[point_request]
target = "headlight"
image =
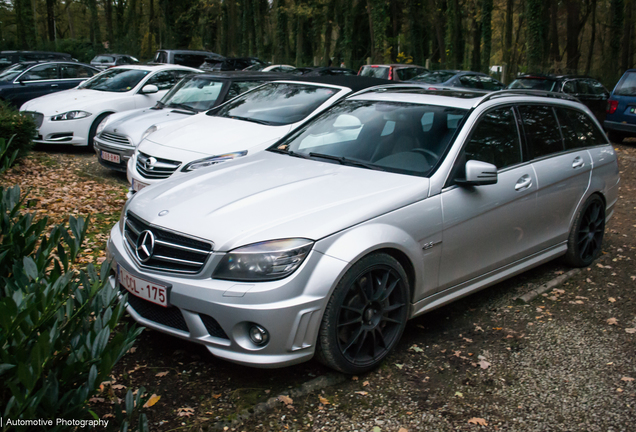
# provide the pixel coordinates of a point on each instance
(212, 160)
(264, 261)
(71, 115)
(101, 125)
(150, 130)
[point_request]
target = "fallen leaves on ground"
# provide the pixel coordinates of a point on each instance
(285, 399)
(478, 421)
(153, 400)
(162, 374)
(630, 330)
(628, 379)
(362, 393)
(185, 412)
(611, 299)
(612, 321)
(323, 400)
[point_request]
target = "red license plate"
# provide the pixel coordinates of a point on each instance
(150, 291)
(110, 157)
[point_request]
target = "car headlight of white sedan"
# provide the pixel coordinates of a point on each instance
(71, 115)
(269, 260)
(212, 160)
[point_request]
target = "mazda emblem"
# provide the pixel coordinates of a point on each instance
(145, 246)
(150, 162)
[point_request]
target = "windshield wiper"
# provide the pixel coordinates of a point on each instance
(345, 161)
(289, 152)
(263, 122)
(182, 106)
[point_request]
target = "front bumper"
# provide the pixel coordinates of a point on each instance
(628, 128)
(73, 132)
(290, 309)
(124, 153)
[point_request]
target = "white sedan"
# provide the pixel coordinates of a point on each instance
(72, 116)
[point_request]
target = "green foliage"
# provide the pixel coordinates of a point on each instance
(534, 34)
(59, 332)
(7, 156)
(20, 127)
(80, 49)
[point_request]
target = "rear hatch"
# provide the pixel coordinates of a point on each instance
(621, 106)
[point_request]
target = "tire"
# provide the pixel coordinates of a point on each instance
(365, 316)
(93, 130)
(615, 137)
(586, 237)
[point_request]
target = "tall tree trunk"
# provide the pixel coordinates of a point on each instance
(395, 28)
(418, 41)
(280, 49)
(70, 18)
(486, 32)
(371, 32)
(534, 35)
(108, 11)
(475, 63)
(50, 19)
(507, 46)
(326, 54)
(25, 24)
(572, 44)
(617, 9)
(439, 22)
(628, 35)
(456, 36)
(299, 41)
(555, 51)
(348, 32)
(592, 40)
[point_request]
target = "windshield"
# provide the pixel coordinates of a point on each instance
(276, 103)
(196, 93)
(375, 72)
(389, 136)
(12, 72)
(434, 77)
(115, 80)
(627, 87)
(533, 84)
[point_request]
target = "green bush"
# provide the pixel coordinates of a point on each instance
(18, 126)
(60, 335)
(80, 49)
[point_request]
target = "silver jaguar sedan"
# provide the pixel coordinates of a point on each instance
(394, 202)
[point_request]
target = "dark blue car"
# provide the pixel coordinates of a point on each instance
(27, 80)
(620, 122)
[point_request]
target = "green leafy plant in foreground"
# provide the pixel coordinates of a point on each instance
(60, 335)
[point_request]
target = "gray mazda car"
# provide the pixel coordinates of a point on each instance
(389, 204)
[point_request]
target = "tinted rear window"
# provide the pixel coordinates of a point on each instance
(533, 84)
(541, 129)
(627, 86)
(375, 71)
(434, 77)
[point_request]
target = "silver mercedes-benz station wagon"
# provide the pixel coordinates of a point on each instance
(394, 202)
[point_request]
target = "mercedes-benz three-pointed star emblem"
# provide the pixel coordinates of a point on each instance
(145, 246)
(150, 163)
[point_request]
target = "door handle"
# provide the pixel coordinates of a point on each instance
(54, 85)
(523, 183)
(578, 162)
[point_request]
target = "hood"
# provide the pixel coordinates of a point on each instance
(68, 100)
(272, 196)
(134, 123)
(209, 135)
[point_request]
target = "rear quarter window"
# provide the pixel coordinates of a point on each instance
(578, 129)
(626, 86)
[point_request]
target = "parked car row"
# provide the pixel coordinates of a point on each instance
(276, 217)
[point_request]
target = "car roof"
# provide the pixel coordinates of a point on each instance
(155, 66)
(354, 82)
(244, 75)
(58, 61)
(395, 65)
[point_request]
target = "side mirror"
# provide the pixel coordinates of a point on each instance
(478, 174)
(149, 89)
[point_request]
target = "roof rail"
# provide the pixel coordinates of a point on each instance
(421, 87)
(524, 92)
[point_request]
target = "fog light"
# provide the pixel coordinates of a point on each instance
(258, 335)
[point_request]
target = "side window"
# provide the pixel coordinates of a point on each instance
(578, 129)
(164, 80)
(489, 83)
(180, 73)
(582, 87)
(596, 87)
(470, 81)
(541, 130)
(162, 57)
(44, 72)
(569, 87)
(495, 139)
(70, 71)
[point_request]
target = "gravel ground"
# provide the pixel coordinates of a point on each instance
(564, 362)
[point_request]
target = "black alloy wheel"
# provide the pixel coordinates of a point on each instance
(585, 240)
(365, 316)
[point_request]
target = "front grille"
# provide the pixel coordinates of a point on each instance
(170, 316)
(155, 168)
(37, 117)
(172, 252)
(213, 327)
(112, 138)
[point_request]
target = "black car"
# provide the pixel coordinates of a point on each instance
(28, 80)
(8, 58)
(185, 57)
(233, 64)
(325, 71)
(588, 90)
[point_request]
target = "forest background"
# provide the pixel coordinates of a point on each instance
(591, 37)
